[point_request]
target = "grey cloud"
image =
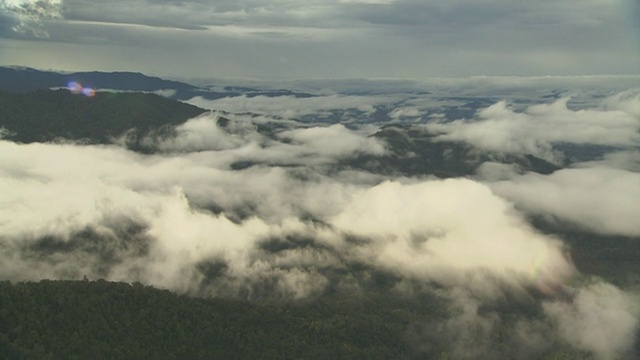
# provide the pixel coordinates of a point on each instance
(428, 14)
(306, 39)
(191, 14)
(133, 12)
(468, 17)
(436, 17)
(26, 19)
(8, 21)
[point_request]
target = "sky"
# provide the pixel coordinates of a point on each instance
(302, 39)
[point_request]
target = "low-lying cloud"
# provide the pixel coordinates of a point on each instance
(601, 199)
(192, 213)
(234, 206)
(290, 107)
(534, 131)
(450, 231)
(601, 319)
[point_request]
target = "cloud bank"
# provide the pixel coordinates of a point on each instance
(257, 207)
(499, 128)
(603, 200)
(426, 230)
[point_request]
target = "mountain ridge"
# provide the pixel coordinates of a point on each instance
(46, 115)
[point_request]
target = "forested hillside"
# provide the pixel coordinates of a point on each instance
(22, 80)
(104, 320)
(46, 115)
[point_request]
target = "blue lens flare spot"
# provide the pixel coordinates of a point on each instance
(77, 88)
(74, 87)
(89, 92)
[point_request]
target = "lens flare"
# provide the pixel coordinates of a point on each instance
(77, 88)
(74, 87)
(89, 92)
(551, 274)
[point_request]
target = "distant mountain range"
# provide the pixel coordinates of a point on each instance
(17, 79)
(24, 79)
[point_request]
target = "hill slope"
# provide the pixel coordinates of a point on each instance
(46, 115)
(99, 319)
(82, 319)
(14, 79)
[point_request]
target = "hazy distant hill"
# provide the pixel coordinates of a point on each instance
(46, 115)
(23, 79)
(14, 79)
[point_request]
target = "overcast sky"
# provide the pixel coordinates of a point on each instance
(276, 39)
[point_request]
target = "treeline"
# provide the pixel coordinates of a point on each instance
(26, 79)
(47, 115)
(105, 320)
(99, 319)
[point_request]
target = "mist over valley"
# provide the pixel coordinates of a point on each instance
(481, 218)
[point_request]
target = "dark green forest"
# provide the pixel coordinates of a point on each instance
(80, 320)
(106, 320)
(49, 115)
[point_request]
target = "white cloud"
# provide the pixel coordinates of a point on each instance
(500, 128)
(237, 139)
(335, 141)
(439, 230)
(105, 188)
(450, 231)
(627, 101)
(601, 319)
(205, 133)
(626, 160)
(600, 199)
